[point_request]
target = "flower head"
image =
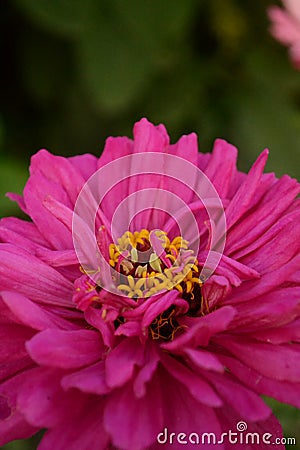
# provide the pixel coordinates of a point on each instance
(154, 288)
(286, 27)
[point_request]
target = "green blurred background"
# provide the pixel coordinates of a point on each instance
(76, 72)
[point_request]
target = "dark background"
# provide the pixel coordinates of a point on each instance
(74, 72)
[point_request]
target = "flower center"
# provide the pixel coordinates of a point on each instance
(147, 263)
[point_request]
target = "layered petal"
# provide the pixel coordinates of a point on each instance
(82, 429)
(22, 272)
(42, 400)
(280, 362)
(105, 348)
(12, 422)
(121, 361)
(66, 349)
(134, 422)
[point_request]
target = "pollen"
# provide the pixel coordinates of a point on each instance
(149, 262)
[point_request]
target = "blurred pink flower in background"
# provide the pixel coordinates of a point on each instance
(100, 367)
(286, 27)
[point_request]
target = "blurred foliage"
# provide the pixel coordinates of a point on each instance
(76, 72)
(25, 444)
(289, 418)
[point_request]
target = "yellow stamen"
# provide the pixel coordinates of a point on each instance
(153, 276)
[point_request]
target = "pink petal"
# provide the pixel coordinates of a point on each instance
(58, 258)
(33, 315)
(266, 238)
(11, 237)
(65, 349)
(149, 138)
(134, 423)
(284, 391)
(284, 27)
(203, 160)
(295, 55)
(83, 237)
(186, 148)
(281, 335)
(272, 426)
(230, 420)
(90, 380)
(12, 367)
(132, 328)
(80, 429)
(204, 359)
(12, 338)
(268, 310)
(58, 170)
(162, 304)
(183, 414)
(216, 289)
(37, 189)
(12, 423)
(233, 270)
(268, 282)
(201, 329)
(244, 196)
(115, 148)
(197, 387)
(26, 229)
(247, 404)
(274, 251)
(281, 362)
(221, 167)
(85, 164)
(29, 276)
(61, 212)
(147, 371)
(41, 399)
(121, 361)
(268, 212)
(293, 7)
(94, 317)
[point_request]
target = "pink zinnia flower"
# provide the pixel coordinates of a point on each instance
(286, 27)
(172, 333)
